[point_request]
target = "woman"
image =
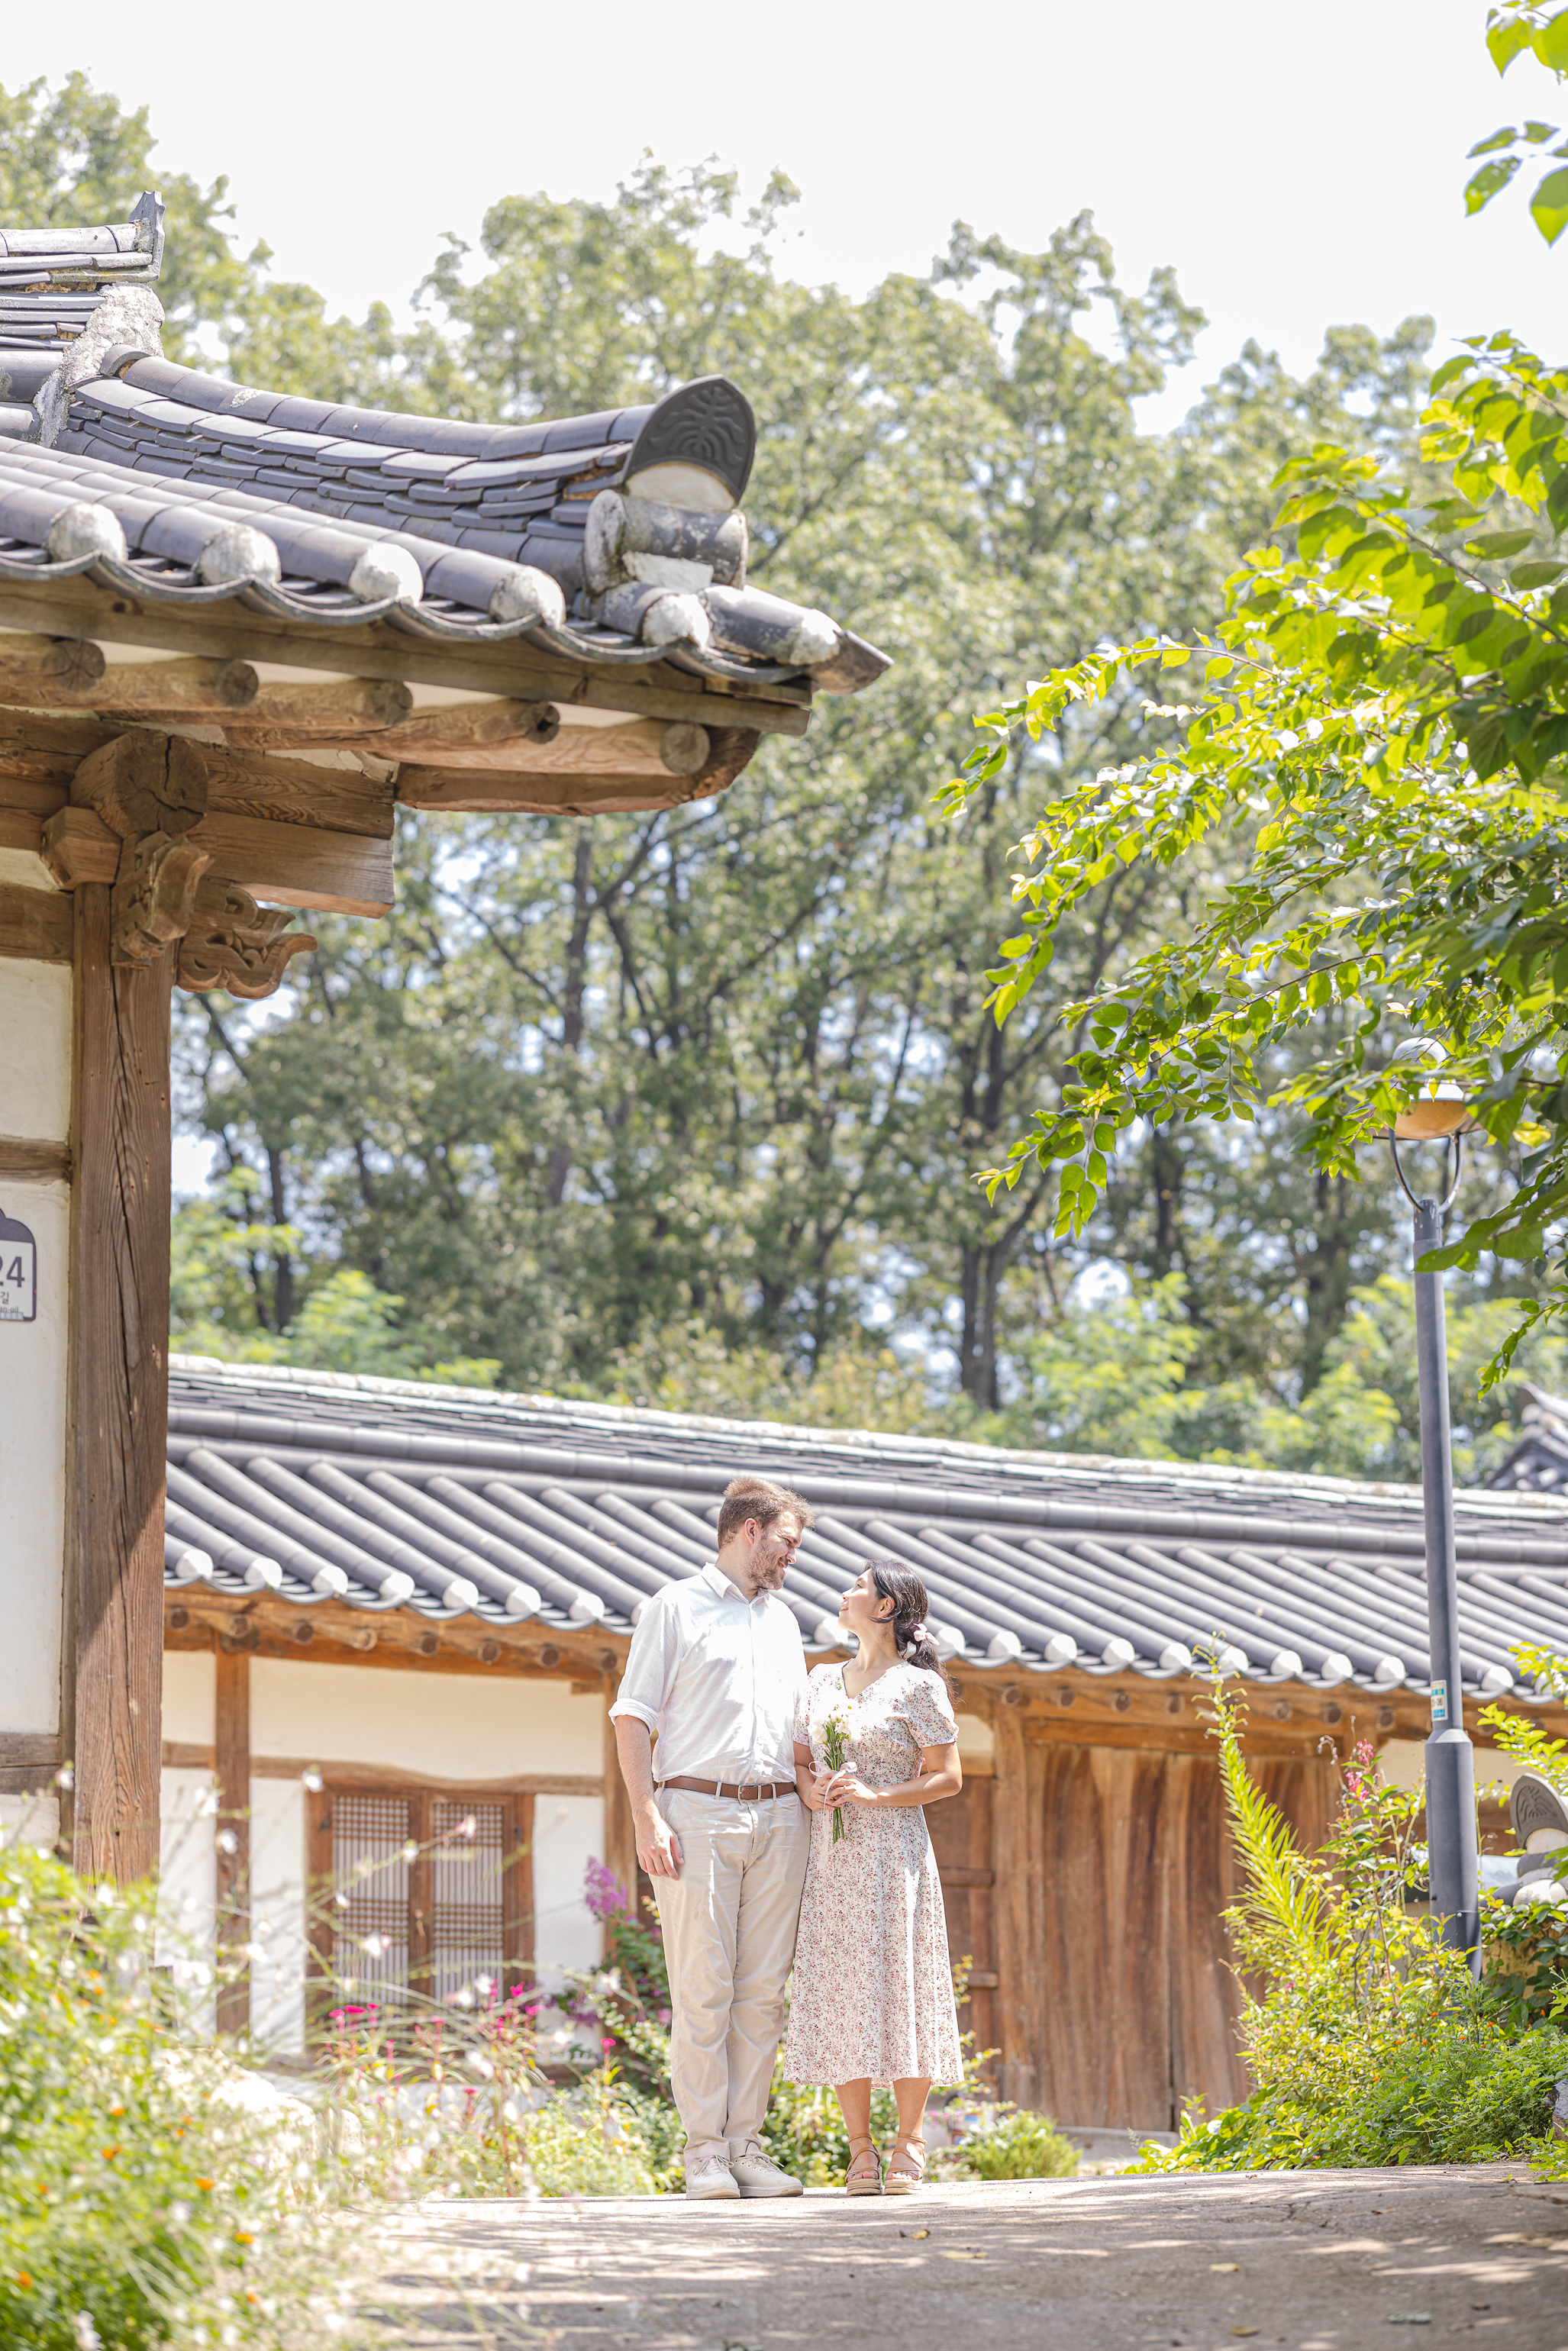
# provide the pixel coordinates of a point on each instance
(872, 1999)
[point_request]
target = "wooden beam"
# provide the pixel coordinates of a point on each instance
(20, 1154)
(35, 923)
(454, 730)
(1011, 1844)
(330, 1632)
(120, 1389)
(298, 791)
(518, 1890)
(620, 1834)
(657, 749)
(43, 750)
(378, 650)
(336, 873)
(190, 1755)
(296, 864)
(289, 711)
(48, 669)
(231, 1760)
(479, 789)
(196, 687)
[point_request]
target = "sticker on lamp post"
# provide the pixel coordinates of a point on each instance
(18, 1272)
(1439, 1701)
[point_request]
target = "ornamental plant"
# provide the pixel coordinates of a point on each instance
(145, 2200)
(1367, 2040)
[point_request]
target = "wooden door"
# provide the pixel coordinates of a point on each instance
(960, 1830)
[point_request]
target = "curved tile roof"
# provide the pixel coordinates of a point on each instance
(614, 539)
(390, 1494)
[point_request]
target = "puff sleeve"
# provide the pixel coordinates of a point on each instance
(928, 1711)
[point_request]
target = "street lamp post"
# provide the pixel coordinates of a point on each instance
(1452, 1872)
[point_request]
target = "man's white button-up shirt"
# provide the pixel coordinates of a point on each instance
(715, 1677)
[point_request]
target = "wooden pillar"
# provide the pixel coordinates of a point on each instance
(232, 1759)
(114, 1639)
(620, 1839)
(1017, 1954)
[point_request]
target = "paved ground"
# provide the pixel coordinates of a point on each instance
(1324, 2261)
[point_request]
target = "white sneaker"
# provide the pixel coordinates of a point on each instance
(711, 2177)
(758, 2175)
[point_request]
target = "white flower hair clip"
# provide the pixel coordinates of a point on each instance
(915, 1635)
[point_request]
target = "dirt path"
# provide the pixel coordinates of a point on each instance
(1324, 2261)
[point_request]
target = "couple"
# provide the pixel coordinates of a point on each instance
(746, 1883)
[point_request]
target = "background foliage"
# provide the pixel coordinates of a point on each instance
(685, 1107)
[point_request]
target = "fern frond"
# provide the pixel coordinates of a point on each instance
(1287, 1914)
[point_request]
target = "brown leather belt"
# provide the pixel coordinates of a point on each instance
(750, 1792)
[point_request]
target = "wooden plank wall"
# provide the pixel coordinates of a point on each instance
(1127, 2004)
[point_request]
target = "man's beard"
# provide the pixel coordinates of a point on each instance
(770, 1572)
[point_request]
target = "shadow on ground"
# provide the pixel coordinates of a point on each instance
(1321, 2261)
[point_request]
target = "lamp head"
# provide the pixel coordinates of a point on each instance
(1439, 1109)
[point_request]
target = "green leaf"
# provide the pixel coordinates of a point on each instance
(1505, 38)
(1174, 655)
(1492, 544)
(1488, 181)
(1535, 573)
(1549, 205)
(1538, 133)
(1503, 137)
(1551, 42)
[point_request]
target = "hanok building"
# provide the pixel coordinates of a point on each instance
(423, 1598)
(238, 632)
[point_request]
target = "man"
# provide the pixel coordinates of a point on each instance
(715, 1666)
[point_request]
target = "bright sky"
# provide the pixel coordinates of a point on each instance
(1298, 167)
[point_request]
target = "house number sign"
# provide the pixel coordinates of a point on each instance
(18, 1272)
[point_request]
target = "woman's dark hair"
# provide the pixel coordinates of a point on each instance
(900, 1585)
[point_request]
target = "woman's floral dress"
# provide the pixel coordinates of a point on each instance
(872, 1995)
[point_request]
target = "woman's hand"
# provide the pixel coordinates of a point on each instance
(844, 1788)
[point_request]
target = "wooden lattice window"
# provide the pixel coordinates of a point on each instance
(446, 1903)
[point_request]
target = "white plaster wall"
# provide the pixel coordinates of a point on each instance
(442, 1725)
(33, 1401)
(1403, 1763)
(190, 1696)
(569, 1831)
(278, 1921)
(187, 1892)
(30, 1820)
(35, 1049)
(977, 1739)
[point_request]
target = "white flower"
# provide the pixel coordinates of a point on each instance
(87, 2334)
(227, 1841)
(179, 2213)
(311, 1780)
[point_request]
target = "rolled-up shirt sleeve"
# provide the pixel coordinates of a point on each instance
(650, 1666)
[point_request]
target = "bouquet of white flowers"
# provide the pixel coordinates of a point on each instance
(836, 1746)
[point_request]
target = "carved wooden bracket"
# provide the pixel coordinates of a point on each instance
(233, 943)
(154, 895)
(143, 782)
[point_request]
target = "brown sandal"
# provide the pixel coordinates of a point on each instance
(906, 2167)
(857, 2181)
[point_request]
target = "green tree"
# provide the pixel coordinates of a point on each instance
(724, 1065)
(1379, 741)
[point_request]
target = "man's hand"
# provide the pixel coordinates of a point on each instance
(814, 1792)
(658, 1846)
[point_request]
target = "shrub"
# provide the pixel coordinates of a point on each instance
(1369, 2041)
(143, 2199)
(1019, 2145)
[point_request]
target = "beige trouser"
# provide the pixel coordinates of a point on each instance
(728, 1922)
